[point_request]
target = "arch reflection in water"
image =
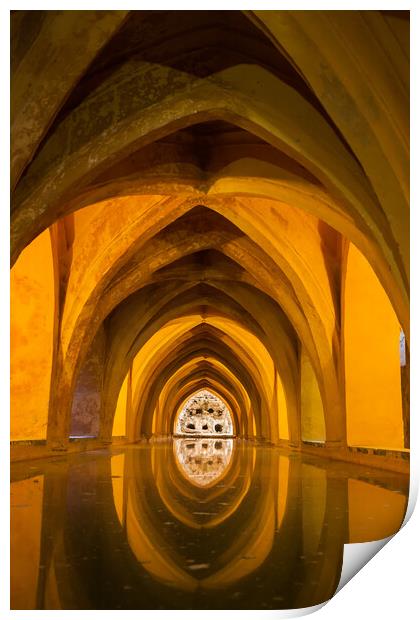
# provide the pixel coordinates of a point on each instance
(203, 461)
(130, 530)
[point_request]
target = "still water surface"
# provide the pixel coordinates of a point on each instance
(191, 524)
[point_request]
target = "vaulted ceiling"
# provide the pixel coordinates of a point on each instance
(201, 173)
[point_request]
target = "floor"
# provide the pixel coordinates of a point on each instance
(191, 524)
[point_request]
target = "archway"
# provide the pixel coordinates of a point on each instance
(204, 414)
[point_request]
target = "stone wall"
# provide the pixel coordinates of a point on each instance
(86, 407)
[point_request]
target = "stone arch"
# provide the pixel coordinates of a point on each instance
(210, 348)
(272, 144)
(117, 369)
(181, 422)
(85, 341)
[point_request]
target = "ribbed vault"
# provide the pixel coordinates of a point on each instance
(201, 187)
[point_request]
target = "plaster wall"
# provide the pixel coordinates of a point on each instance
(281, 405)
(32, 299)
(372, 363)
(120, 419)
(312, 410)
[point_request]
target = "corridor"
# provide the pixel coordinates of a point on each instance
(210, 329)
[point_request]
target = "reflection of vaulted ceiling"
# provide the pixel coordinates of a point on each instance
(193, 507)
(199, 180)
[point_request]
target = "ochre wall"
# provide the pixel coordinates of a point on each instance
(312, 410)
(120, 419)
(32, 326)
(371, 355)
(281, 407)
